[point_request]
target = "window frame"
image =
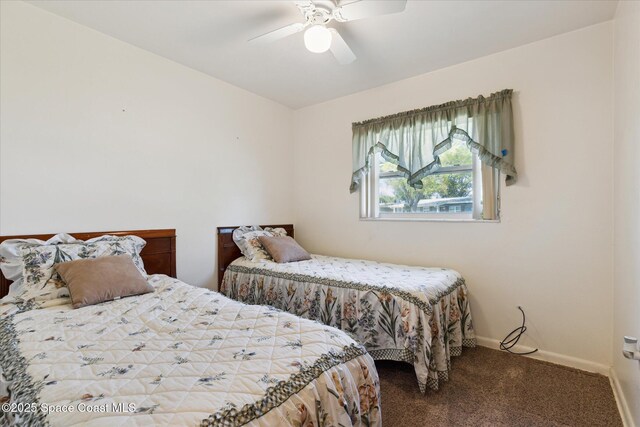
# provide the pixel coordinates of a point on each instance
(370, 195)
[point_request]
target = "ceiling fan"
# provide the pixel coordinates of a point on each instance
(317, 37)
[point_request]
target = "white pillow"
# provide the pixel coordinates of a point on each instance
(246, 238)
(12, 265)
(11, 262)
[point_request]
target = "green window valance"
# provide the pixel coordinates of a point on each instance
(414, 139)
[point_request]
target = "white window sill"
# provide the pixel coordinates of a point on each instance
(423, 219)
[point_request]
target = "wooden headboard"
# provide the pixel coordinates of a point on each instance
(228, 251)
(159, 254)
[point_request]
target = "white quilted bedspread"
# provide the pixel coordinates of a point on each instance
(183, 356)
(424, 283)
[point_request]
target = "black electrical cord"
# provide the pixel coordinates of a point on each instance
(514, 336)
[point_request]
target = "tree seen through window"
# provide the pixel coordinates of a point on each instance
(447, 190)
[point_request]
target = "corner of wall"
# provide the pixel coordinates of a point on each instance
(625, 374)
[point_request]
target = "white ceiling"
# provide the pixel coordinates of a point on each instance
(211, 36)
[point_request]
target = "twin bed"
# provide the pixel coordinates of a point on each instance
(412, 314)
(177, 356)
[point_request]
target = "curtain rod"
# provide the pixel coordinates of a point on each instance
(447, 105)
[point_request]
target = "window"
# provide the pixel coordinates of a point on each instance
(454, 191)
(437, 162)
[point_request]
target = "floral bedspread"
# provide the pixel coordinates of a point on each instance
(181, 356)
(412, 314)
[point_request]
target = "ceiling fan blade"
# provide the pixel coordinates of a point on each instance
(303, 4)
(340, 48)
(278, 34)
(364, 9)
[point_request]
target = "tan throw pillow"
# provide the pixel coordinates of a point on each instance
(92, 281)
(284, 249)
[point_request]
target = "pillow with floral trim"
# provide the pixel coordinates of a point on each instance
(40, 281)
(12, 265)
(246, 238)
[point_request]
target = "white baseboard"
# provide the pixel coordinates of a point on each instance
(623, 406)
(551, 357)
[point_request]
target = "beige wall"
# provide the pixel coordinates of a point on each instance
(552, 252)
(97, 134)
(626, 291)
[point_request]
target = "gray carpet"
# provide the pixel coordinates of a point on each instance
(492, 388)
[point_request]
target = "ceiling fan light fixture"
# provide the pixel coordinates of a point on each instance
(317, 38)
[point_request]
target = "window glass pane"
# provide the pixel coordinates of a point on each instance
(441, 193)
(445, 192)
(457, 155)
